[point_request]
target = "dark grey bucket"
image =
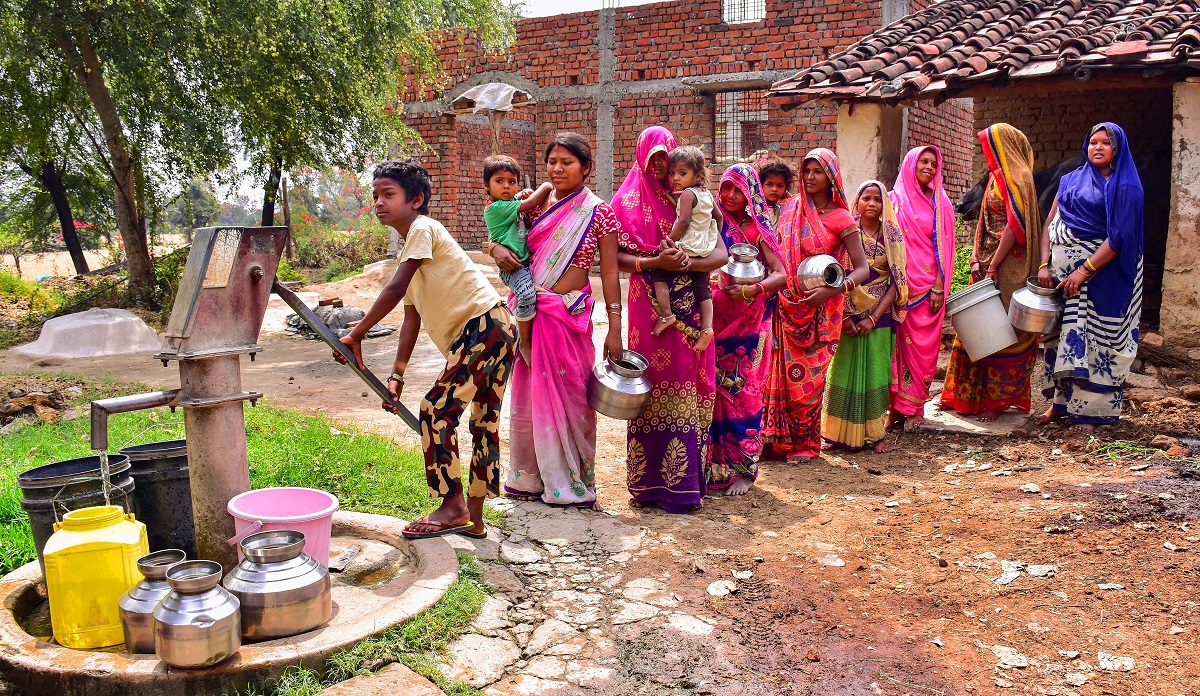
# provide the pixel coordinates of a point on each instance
(48, 492)
(163, 494)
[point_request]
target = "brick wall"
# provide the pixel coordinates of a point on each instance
(647, 51)
(1057, 123)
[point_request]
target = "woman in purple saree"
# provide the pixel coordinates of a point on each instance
(668, 445)
(552, 433)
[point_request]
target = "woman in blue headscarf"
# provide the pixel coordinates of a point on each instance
(1092, 250)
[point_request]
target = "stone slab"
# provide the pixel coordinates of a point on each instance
(952, 422)
(393, 680)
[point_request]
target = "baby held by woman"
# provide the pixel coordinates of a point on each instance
(696, 231)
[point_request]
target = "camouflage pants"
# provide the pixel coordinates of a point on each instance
(477, 371)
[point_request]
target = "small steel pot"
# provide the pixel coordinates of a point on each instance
(1035, 309)
(283, 591)
(619, 388)
(198, 623)
(821, 271)
(136, 606)
(743, 267)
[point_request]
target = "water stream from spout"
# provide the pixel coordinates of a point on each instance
(103, 454)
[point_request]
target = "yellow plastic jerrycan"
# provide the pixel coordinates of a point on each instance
(91, 560)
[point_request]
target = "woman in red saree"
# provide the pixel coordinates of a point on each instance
(926, 217)
(808, 323)
(668, 445)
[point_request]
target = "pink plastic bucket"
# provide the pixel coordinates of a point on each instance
(305, 510)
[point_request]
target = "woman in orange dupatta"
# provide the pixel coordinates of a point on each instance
(1010, 226)
(808, 323)
(926, 217)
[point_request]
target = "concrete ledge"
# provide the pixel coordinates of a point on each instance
(38, 667)
(393, 680)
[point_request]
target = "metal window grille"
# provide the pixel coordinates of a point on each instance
(741, 125)
(742, 11)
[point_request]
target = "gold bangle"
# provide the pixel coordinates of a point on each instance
(1087, 263)
(637, 264)
(744, 293)
(1044, 264)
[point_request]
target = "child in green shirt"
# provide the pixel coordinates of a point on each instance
(501, 175)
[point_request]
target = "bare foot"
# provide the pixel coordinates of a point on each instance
(911, 423)
(882, 447)
(637, 504)
(705, 338)
(526, 498)
(893, 419)
(740, 485)
(831, 446)
(988, 416)
(1048, 417)
(1083, 427)
(663, 324)
(799, 459)
(596, 506)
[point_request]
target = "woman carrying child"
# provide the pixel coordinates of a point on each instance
(668, 445)
(552, 439)
(742, 319)
(860, 377)
(695, 233)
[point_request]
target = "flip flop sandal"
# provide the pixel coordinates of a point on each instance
(474, 535)
(438, 529)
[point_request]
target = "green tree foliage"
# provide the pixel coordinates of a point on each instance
(196, 206)
(174, 87)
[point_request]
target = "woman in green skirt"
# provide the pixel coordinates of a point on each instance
(860, 378)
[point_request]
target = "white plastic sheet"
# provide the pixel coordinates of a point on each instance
(493, 96)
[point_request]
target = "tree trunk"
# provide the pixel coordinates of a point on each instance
(269, 193)
(51, 178)
(81, 55)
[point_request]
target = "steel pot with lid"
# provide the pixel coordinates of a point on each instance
(619, 388)
(821, 271)
(136, 606)
(283, 591)
(1035, 309)
(743, 267)
(198, 623)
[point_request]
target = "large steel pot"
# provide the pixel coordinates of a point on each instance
(619, 388)
(821, 271)
(979, 319)
(743, 267)
(1035, 309)
(198, 623)
(283, 591)
(136, 606)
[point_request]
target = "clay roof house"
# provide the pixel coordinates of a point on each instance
(1052, 68)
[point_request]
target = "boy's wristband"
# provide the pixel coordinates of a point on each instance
(396, 377)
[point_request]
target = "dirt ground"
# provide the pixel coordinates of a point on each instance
(1034, 563)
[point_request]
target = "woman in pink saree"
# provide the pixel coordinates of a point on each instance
(668, 445)
(552, 433)
(926, 217)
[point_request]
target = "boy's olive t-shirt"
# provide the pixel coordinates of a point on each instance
(502, 218)
(448, 289)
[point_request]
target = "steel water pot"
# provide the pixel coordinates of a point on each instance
(821, 271)
(1035, 309)
(198, 623)
(283, 591)
(137, 604)
(619, 388)
(743, 267)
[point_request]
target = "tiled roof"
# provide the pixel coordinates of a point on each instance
(954, 45)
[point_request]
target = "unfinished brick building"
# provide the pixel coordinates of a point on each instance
(700, 67)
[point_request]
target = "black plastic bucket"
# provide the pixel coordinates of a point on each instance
(48, 492)
(163, 494)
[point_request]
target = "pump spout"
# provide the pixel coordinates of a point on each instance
(102, 408)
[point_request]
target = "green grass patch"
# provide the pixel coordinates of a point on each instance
(367, 472)
(420, 643)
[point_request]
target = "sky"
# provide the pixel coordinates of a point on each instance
(546, 8)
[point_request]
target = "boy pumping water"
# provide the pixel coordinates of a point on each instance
(441, 287)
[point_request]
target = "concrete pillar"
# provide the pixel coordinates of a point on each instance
(1181, 270)
(606, 101)
(868, 143)
(893, 10)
